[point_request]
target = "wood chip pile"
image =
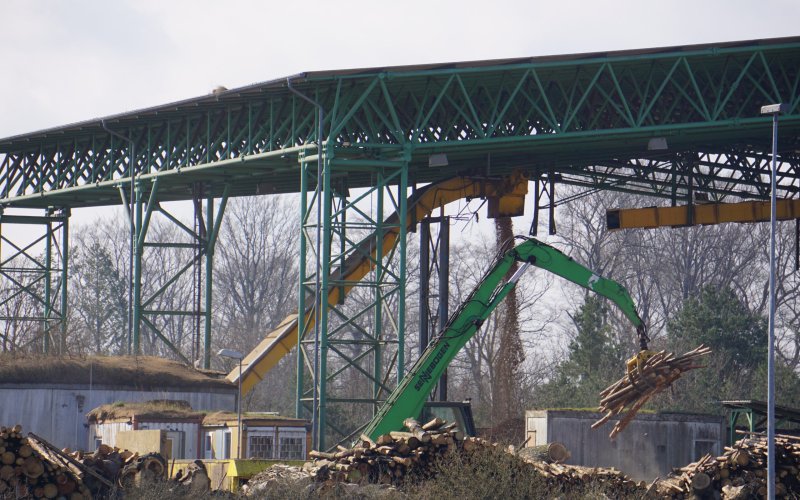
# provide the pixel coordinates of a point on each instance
(631, 392)
(740, 473)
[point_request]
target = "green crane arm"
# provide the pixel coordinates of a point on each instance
(411, 393)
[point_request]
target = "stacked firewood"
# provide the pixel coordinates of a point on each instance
(395, 456)
(104, 470)
(391, 457)
(631, 392)
(740, 472)
(609, 480)
(26, 473)
(31, 467)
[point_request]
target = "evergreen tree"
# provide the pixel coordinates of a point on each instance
(737, 368)
(100, 301)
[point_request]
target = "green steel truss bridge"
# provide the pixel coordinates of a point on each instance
(668, 122)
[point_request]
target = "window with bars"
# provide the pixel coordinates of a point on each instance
(260, 446)
(292, 448)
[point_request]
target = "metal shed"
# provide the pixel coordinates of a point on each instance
(265, 436)
(51, 396)
(180, 423)
(650, 446)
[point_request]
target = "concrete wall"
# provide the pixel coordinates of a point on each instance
(650, 446)
(58, 413)
(143, 442)
(188, 432)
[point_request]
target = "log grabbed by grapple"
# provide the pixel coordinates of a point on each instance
(628, 394)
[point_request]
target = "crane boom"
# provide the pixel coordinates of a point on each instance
(411, 393)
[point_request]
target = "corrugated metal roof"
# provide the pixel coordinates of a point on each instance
(305, 78)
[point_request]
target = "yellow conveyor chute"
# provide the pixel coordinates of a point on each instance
(507, 198)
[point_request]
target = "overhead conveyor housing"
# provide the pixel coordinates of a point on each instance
(703, 214)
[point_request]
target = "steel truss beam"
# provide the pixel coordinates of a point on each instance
(549, 113)
(37, 270)
(350, 349)
(153, 308)
(721, 176)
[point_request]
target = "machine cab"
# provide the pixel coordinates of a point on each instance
(451, 411)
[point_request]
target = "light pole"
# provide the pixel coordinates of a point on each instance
(774, 110)
(230, 353)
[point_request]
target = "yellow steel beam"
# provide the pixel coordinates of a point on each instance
(702, 214)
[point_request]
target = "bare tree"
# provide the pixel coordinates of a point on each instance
(256, 282)
(510, 352)
(660, 267)
(99, 306)
(474, 372)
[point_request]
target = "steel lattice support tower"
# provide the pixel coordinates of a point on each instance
(196, 246)
(40, 273)
(351, 348)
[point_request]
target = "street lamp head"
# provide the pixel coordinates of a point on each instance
(775, 109)
(230, 353)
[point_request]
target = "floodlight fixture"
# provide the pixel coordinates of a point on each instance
(775, 109)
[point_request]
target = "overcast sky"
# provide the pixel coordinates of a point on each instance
(71, 60)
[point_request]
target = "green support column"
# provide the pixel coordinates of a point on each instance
(301, 294)
(203, 242)
(360, 340)
(137, 269)
(64, 276)
(325, 271)
(214, 222)
(401, 306)
(209, 287)
(30, 272)
(378, 301)
(48, 263)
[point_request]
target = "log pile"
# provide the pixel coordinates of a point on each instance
(31, 467)
(740, 472)
(610, 480)
(632, 391)
(106, 469)
(551, 453)
(25, 473)
(392, 457)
